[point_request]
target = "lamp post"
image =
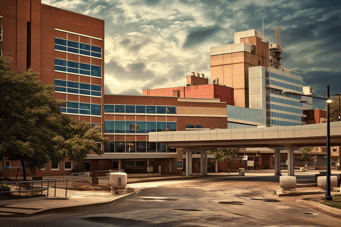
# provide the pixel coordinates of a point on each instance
(328, 101)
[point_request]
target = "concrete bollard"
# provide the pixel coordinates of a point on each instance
(287, 182)
(322, 182)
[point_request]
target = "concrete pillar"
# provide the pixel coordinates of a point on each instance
(187, 163)
(277, 162)
(291, 171)
(201, 163)
(216, 165)
(190, 169)
(205, 163)
(119, 165)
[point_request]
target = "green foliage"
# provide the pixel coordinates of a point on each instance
(305, 153)
(334, 109)
(4, 187)
(79, 168)
(210, 164)
(33, 130)
(223, 154)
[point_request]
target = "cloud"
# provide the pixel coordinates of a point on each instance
(198, 37)
(130, 91)
(107, 90)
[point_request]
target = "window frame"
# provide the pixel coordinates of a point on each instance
(65, 165)
(54, 169)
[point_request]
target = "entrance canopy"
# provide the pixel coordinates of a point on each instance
(272, 137)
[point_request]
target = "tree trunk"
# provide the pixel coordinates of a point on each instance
(23, 168)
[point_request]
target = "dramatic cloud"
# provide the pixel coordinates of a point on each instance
(157, 43)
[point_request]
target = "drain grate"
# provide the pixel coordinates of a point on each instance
(231, 202)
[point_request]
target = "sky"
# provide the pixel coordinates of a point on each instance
(157, 43)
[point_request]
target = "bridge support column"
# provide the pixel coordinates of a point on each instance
(190, 163)
(201, 163)
(291, 171)
(277, 162)
(187, 163)
(216, 165)
(205, 163)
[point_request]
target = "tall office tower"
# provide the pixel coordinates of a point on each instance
(65, 48)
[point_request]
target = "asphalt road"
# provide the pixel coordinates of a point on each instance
(203, 202)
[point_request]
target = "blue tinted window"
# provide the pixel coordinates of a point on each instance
(84, 72)
(72, 90)
(95, 109)
(97, 49)
(161, 109)
(130, 109)
(130, 126)
(72, 84)
(84, 66)
(109, 126)
(84, 46)
(72, 110)
(60, 62)
(72, 70)
(63, 110)
(141, 127)
(84, 106)
(60, 41)
(73, 50)
(85, 86)
(151, 109)
(72, 44)
(63, 48)
(59, 68)
(140, 109)
(62, 89)
(161, 126)
(97, 55)
(84, 92)
(96, 87)
(171, 110)
(171, 126)
(84, 112)
(119, 109)
(72, 104)
(85, 52)
(60, 83)
(96, 71)
(109, 108)
(120, 127)
(151, 126)
(96, 93)
(190, 126)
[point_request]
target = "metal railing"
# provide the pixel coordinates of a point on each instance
(31, 186)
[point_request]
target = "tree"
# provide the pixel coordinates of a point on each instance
(223, 154)
(334, 109)
(305, 154)
(32, 128)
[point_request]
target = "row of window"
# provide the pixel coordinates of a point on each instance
(77, 88)
(285, 85)
(283, 123)
(193, 126)
(81, 108)
(279, 92)
(284, 108)
(139, 109)
(286, 116)
(283, 101)
(136, 147)
(78, 48)
(138, 126)
(285, 78)
(77, 68)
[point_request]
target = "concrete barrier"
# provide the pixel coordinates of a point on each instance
(322, 182)
(287, 182)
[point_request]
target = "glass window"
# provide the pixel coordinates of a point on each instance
(141, 146)
(72, 110)
(140, 109)
(55, 166)
(119, 147)
(151, 126)
(130, 109)
(97, 55)
(179, 165)
(85, 86)
(114, 165)
(151, 147)
(96, 71)
(95, 109)
(72, 44)
(73, 50)
(130, 127)
(96, 49)
(151, 164)
(171, 150)
(85, 52)
(96, 93)
(84, 66)
(140, 127)
(68, 165)
(59, 68)
(171, 126)
(85, 106)
(72, 70)
(140, 164)
(151, 109)
(161, 147)
(72, 84)
(96, 87)
(171, 109)
(109, 108)
(60, 41)
(84, 112)
(72, 104)
(130, 146)
(120, 127)
(161, 109)
(57, 47)
(189, 126)
(72, 64)
(84, 72)
(62, 89)
(84, 46)
(59, 62)
(85, 92)
(129, 164)
(60, 83)
(119, 109)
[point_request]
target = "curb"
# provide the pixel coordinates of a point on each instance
(164, 179)
(4, 202)
(326, 208)
(62, 209)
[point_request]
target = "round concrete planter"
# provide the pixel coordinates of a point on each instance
(322, 182)
(287, 182)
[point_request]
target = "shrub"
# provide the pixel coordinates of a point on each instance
(78, 168)
(4, 187)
